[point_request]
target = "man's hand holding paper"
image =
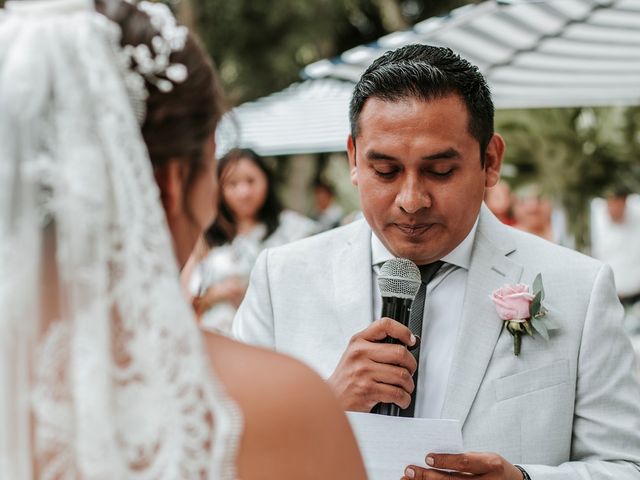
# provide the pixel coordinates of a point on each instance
(488, 466)
(389, 444)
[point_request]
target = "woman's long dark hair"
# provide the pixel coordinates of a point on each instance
(225, 228)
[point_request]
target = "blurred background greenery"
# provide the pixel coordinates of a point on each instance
(260, 47)
(574, 154)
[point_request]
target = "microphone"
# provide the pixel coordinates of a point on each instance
(399, 281)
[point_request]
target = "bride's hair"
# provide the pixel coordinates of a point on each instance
(177, 122)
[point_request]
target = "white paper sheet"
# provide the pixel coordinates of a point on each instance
(389, 444)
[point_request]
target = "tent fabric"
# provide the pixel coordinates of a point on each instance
(552, 53)
(306, 117)
(534, 54)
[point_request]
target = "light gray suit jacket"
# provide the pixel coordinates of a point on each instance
(564, 409)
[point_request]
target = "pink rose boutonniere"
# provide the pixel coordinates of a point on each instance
(522, 311)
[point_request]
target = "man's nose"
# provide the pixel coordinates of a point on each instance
(413, 195)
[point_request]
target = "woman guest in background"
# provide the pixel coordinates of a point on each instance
(103, 373)
(499, 201)
(250, 219)
(534, 213)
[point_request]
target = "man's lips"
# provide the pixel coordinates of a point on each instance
(413, 229)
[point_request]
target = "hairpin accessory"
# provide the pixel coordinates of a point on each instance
(150, 65)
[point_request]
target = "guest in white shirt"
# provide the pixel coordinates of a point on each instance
(616, 241)
(250, 219)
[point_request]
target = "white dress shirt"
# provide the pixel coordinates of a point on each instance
(618, 244)
(442, 314)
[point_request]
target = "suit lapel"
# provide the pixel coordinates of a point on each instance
(480, 325)
(352, 282)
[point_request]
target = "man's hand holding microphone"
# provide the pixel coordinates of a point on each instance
(377, 366)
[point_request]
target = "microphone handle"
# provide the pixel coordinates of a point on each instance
(398, 309)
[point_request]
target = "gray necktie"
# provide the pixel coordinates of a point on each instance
(427, 272)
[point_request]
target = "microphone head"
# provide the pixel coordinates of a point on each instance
(399, 278)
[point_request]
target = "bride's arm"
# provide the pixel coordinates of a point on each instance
(293, 427)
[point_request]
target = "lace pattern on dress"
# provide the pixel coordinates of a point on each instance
(121, 387)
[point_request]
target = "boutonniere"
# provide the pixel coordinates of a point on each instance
(522, 311)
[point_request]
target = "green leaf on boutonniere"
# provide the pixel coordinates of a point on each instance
(536, 305)
(542, 312)
(537, 286)
(540, 327)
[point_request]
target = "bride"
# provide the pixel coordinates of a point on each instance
(105, 118)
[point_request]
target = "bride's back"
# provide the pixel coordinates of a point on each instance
(103, 373)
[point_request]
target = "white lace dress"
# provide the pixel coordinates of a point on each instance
(109, 380)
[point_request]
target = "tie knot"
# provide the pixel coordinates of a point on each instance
(428, 271)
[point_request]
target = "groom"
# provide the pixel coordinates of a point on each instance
(422, 151)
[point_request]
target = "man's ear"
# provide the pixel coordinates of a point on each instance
(170, 179)
(493, 160)
(351, 152)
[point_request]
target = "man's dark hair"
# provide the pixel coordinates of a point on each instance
(426, 72)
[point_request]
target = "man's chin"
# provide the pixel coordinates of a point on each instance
(418, 252)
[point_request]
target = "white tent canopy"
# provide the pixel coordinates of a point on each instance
(534, 54)
(307, 117)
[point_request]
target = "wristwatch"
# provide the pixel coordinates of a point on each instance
(525, 475)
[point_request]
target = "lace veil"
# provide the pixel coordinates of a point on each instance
(102, 371)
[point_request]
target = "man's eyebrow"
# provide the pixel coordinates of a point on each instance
(449, 153)
(376, 155)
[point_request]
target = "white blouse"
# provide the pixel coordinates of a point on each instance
(237, 259)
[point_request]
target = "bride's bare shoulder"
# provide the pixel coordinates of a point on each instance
(244, 367)
(294, 427)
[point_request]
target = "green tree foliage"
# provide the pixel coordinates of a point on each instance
(260, 47)
(574, 154)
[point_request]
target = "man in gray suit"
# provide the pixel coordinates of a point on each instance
(422, 150)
